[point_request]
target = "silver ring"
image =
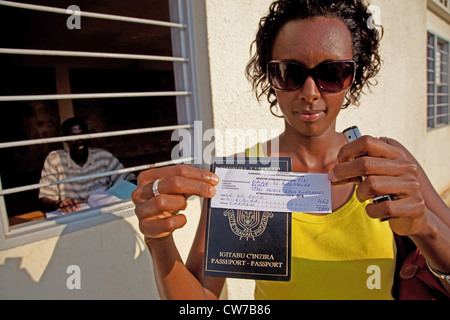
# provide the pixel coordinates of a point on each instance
(155, 187)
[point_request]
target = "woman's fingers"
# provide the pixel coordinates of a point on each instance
(157, 206)
(158, 217)
(162, 225)
(181, 180)
(399, 187)
(367, 166)
(406, 208)
(368, 156)
(180, 170)
(368, 146)
(186, 186)
(383, 168)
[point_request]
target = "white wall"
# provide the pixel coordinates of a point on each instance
(232, 26)
(396, 107)
(113, 259)
(114, 264)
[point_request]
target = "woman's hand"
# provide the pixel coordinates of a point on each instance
(388, 170)
(158, 215)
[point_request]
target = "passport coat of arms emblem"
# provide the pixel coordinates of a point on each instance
(248, 224)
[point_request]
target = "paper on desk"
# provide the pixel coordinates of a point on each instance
(262, 190)
(96, 199)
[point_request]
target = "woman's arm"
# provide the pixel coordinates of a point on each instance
(158, 219)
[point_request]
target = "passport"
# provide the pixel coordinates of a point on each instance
(248, 244)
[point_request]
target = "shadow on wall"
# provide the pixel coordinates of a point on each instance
(108, 261)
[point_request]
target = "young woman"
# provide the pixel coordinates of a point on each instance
(313, 57)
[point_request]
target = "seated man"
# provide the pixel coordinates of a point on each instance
(79, 160)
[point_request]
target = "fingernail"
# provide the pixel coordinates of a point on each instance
(214, 179)
(332, 176)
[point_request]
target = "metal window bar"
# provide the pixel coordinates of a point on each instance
(92, 14)
(91, 54)
(78, 54)
(438, 82)
(24, 143)
(442, 94)
(431, 123)
(180, 26)
(94, 176)
(92, 136)
(80, 96)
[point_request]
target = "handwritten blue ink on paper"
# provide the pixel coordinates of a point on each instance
(272, 191)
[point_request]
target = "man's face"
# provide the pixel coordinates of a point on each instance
(78, 147)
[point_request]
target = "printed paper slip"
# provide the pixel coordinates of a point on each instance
(264, 190)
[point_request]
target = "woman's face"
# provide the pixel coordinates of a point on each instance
(309, 110)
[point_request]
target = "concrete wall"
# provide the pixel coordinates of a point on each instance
(114, 262)
(232, 26)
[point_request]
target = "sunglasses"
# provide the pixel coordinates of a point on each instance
(330, 76)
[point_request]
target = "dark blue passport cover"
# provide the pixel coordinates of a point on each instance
(248, 244)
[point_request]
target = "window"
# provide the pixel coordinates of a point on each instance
(128, 70)
(438, 82)
(443, 3)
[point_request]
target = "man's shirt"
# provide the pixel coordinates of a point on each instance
(59, 166)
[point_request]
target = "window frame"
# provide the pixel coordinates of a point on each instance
(444, 4)
(191, 80)
(433, 100)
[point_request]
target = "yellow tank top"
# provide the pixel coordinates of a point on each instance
(341, 256)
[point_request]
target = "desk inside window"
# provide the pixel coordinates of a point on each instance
(26, 217)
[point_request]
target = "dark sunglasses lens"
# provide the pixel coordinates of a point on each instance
(286, 76)
(335, 76)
